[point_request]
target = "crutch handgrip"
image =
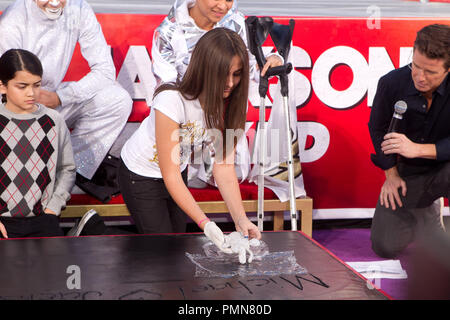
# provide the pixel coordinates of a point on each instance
(280, 70)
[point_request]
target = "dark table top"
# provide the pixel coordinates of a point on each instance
(156, 267)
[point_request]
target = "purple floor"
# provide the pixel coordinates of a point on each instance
(354, 245)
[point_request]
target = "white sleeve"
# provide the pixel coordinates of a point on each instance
(162, 55)
(170, 103)
(98, 55)
(65, 171)
(10, 31)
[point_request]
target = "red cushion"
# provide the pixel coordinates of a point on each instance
(249, 191)
(139, 112)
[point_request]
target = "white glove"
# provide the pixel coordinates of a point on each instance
(239, 244)
(243, 254)
(213, 232)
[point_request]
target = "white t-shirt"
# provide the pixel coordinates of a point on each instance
(139, 152)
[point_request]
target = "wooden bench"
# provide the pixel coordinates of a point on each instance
(304, 206)
(208, 199)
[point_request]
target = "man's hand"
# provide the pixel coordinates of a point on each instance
(400, 144)
(397, 143)
(389, 191)
(49, 99)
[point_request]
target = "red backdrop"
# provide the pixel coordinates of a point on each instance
(337, 61)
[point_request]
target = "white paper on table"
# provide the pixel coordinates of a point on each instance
(391, 269)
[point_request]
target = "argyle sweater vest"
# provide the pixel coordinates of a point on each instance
(30, 162)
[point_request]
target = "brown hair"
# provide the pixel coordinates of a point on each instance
(434, 41)
(207, 72)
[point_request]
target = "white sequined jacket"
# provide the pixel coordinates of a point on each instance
(23, 25)
(175, 39)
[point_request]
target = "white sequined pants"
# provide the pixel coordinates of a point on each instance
(95, 124)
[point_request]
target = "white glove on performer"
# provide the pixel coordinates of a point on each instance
(213, 232)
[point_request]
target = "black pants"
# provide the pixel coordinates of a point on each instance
(393, 230)
(45, 225)
(150, 204)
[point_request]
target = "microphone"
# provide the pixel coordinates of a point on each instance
(399, 109)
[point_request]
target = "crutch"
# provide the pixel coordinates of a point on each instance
(258, 30)
(282, 36)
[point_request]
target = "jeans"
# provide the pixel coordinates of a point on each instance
(44, 225)
(150, 204)
(393, 230)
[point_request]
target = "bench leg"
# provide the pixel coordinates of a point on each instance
(278, 220)
(306, 221)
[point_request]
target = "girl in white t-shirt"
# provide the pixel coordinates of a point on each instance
(188, 119)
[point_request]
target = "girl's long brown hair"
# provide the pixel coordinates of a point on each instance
(207, 72)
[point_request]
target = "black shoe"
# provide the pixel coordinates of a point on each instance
(99, 192)
(103, 184)
(90, 224)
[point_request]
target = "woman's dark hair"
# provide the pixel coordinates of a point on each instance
(15, 60)
(207, 73)
(434, 41)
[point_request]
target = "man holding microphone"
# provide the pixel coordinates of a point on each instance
(415, 158)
